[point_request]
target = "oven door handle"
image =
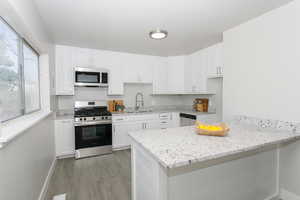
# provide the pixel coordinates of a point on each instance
(92, 123)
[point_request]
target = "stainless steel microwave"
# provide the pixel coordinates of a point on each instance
(91, 77)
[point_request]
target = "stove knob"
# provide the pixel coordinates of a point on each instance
(84, 119)
(80, 119)
(94, 118)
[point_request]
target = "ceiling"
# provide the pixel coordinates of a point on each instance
(123, 25)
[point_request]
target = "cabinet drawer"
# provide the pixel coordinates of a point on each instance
(133, 118)
(117, 119)
(165, 115)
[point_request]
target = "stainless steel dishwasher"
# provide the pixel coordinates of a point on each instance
(187, 119)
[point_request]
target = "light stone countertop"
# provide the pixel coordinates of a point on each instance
(176, 147)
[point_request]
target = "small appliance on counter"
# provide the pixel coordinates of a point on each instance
(201, 105)
(116, 106)
(93, 129)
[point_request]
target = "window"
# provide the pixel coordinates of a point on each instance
(31, 79)
(19, 75)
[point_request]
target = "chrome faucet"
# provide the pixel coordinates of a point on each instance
(139, 100)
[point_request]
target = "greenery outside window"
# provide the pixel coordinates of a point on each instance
(19, 75)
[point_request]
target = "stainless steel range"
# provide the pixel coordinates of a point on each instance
(93, 129)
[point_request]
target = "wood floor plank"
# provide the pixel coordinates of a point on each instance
(97, 178)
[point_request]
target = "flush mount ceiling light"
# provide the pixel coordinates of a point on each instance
(158, 34)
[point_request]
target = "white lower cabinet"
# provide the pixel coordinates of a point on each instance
(121, 138)
(122, 125)
(153, 124)
(175, 120)
(64, 137)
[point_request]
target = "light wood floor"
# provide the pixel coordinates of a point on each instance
(105, 177)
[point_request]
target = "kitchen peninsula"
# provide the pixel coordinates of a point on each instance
(177, 164)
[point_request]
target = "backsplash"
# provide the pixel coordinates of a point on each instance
(130, 90)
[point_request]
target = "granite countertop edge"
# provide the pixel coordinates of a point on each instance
(222, 154)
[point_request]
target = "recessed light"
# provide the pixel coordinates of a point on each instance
(158, 34)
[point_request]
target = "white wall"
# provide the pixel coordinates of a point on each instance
(261, 76)
(25, 162)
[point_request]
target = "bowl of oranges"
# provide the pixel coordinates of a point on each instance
(212, 130)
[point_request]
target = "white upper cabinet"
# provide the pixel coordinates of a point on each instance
(215, 60)
(137, 68)
(175, 75)
(116, 84)
(195, 72)
(160, 79)
(84, 57)
(64, 70)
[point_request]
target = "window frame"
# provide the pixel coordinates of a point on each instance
(25, 43)
(22, 41)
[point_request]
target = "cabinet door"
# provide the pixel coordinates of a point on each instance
(64, 137)
(215, 60)
(195, 72)
(64, 71)
(160, 73)
(154, 124)
(120, 133)
(175, 74)
(220, 57)
(145, 74)
(116, 86)
(175, 120)
(84, 57)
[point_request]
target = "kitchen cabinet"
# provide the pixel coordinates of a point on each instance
(215, 60)
(121, 138)
(160, 81)
(168, 76)
(195, 72)
(153, 124)
(175, 120)
(84, 57)
(175, 75)
(137, 68)
(116, 84)
(64, 137)
(122, 125)
(64, 71)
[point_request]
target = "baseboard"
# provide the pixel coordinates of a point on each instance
(47, 181)
(121, 148)
(286, 195)
(70, 155)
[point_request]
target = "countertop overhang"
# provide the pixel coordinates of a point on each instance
(178, 147)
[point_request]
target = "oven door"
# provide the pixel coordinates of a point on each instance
(96, 135)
